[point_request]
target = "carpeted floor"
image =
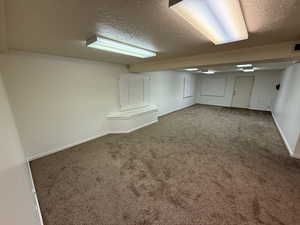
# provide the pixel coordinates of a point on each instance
(203, 165)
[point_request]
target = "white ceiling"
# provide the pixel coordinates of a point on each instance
(61, 27)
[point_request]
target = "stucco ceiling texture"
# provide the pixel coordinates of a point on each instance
(61, 27)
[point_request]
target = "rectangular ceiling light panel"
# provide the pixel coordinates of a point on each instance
(221, 21)
(191, 69)
(109, 45)
(244, 65)
(248, 70)
(209, 72)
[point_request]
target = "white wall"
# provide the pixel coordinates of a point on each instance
(17, 205)
(59, 101)
(167, 90)
(218, 89)
(286, 108)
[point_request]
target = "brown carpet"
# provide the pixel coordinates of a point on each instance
(204, 165)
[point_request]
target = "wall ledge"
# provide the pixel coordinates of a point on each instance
(128, 114)
(130, 120)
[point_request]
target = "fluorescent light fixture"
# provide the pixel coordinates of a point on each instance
(208, 72)
(221, 21)
(191, 69)
(248, 70)
(244, 65)
(110, 45)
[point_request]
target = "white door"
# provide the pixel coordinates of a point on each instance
(242, 92)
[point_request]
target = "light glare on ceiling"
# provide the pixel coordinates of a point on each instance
(106, 44)
(221, 21)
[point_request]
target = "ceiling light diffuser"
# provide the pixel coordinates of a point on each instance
(191, 69)
(221, 21)
(244, 65)
(110, 45)
(248, 70)
(208, 72)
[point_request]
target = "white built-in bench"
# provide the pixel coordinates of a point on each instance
(130, 120)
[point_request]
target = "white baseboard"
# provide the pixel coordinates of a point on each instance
(259, 109)
(134, 129)
(43, 154)
(290, 150)
(37, 204)
(177, 109)
(229, 106)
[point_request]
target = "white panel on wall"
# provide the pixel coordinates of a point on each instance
(213, 86)
(147, 88)
(188, 87)
(124, 91)
(134, 91)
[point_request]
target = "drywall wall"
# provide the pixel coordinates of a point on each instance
(17, 204)
(286, 109)
(59, 102)
(167, 90)
(218, 89)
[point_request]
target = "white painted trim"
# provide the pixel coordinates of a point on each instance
(212, 104)
(228, 106)
(290, 150)
(134, 129)
(259, 109)
(35, 195)
(43, 154)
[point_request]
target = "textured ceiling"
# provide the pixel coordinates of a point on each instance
(61, 27)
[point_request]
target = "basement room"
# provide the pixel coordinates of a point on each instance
(162, 112)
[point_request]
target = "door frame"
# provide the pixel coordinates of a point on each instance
(235, 80)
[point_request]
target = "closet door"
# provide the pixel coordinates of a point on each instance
(242, 92)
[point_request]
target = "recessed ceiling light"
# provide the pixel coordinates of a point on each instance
(191, 69)
(244, 65)
(248, 70)
(221, 21)
(109, 45)
(209, 72)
